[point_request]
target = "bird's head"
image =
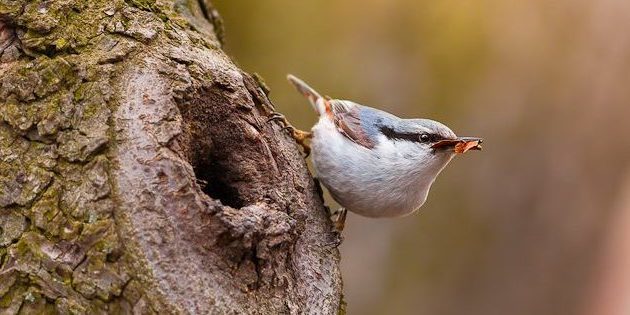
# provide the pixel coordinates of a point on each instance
(426, 143)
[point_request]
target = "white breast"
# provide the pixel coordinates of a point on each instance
(378, 182)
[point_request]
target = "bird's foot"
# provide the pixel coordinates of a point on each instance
(339, 222)
(300, 136)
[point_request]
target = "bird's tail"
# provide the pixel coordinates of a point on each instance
(314, 98)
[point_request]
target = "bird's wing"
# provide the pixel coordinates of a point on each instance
(346, 116)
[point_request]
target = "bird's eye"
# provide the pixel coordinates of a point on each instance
(425, 137)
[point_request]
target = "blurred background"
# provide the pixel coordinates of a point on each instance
(538, 222)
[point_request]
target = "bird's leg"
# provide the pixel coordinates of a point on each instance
(339, 222)
(300, 136)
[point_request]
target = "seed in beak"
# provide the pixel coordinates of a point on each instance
(459, 145)
(464, 146)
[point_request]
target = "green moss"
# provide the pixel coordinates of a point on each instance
(65, 273)
(13, 225)
(15, 115)
(34, 40)
(261, 83)
(54, 74)
(66, 306)
(177, 22)
(3, 253)
(147, 5)
(96, 262)
(16, 291)
(46, 215)
(93, 107)
(95, 229)
(11, 9)
(60, 43)
(38, 180)
(35, 303)
(22, 248)
(28, 248)
(342, 306)
(70, 229)
(64, 26)
(6, 300)
(104, 246)
(79, 93)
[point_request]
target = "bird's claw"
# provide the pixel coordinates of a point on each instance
(337, 240)
(276, 116)
(291, 129)
(298, 135)
(339, 222)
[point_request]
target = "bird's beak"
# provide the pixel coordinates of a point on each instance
(459, 145)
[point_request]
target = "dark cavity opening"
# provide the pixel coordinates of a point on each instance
(206, 144)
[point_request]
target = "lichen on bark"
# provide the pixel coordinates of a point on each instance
(111, 114)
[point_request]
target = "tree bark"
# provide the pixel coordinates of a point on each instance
(138, 173)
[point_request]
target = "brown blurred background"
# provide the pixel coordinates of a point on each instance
(538, 222)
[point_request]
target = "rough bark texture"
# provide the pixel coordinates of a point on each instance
(138, 173)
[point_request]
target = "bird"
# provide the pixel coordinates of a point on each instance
(374, 163)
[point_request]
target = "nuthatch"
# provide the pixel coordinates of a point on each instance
(374, 163)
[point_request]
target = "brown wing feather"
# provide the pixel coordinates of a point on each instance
(348, 122)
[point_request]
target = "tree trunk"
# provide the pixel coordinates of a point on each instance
(138, 173)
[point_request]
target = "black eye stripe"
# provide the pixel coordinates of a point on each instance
(413, 137)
